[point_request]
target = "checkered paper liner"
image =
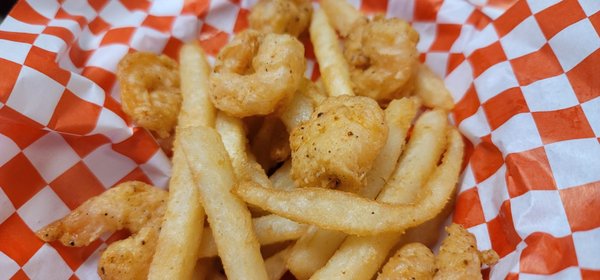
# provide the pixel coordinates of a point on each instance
(523, 74)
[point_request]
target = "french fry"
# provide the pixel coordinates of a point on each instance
(228, 216)
(342, 15)
(334, 68)
(282, 179)
(275, 264)
(352, 214)
(269, 229)
(361, 257)
(302, 104)
(312, 250)
(180, 237)
(431, 89)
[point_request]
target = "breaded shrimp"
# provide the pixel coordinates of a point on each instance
(281, 16)
(339, 143)
(150, 92)
(459, 258)
(255, 73)
(412, 261)
(132, 205)
(382, 56)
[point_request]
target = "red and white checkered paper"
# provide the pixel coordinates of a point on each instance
(524, 74)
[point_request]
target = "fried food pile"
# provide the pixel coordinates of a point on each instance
(273, 172)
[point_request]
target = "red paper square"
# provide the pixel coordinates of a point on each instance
(62, 14)
(212, 39)
(10, 73)
(557, 17)
(580, 200)
(20, 275)
(427, 10)
(22, 11)
(132, 5)
(595, 20)
(483, 58)
(504, 106)
(589, 274)
(172, 48)
(76, 185)
(536, 259)
(18, 241)
(468, 211)
(512, 276)
(160, 23)
(447, 34)
(43, 61)
(528, 170)
(502, 231)
(20, 180)
(83, 145)
(76, 256)
(584, 77)
(536, 66)
(97, 5)
(509, 20)
(79, 56)
(120, 35)
(467, 106)
(136, 175)
(454, 60)
(105, 79)
(485, 160)
(22, 130)
(478, 19)
(565, 124)
(140, 147)
(60, 32)
(98, 25)
(241, 22)
(74, 115)
(27, 38)
(373, 7)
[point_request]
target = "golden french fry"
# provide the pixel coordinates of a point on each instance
(228, 216)
(179, 239)
(302, 104)
(312, 250)
(334, 68)
(282, 179)
(431, 89)
(361, 257)
(342, 15)
(269, 229)
(412, 261)
(275, 264)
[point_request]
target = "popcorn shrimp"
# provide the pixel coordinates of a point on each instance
(382, 56)
(281, 16)
(150, 92)
(134, 206)
(338, 144)
(256, 73)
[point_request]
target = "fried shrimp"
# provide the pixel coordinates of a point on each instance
(281, 16)
(339, 143)
(255, 73)
(382, 57)
(150, 92)
(459, 258)
(412, 261)
(134, 206)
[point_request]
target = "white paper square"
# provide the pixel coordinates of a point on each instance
(508, 264)
(467, 180)
(574, 162)
(108, 57)
(492, 193)
(185, 28)
(66, 63)
(8, 267)
(12, 25)
(149, 40)
(575, 43)
(539, 211)
(518, 134)
(495, 80)
(310, 66)
(455, 12)
(222, 15)
(89, 41)
(482, 236)
(166, 7)
(35, 95)
(537, 6)
(475, 127)
(115, 14)
(14, 51)
(9, 149)
(492, 12)
(158, 169)
(550, 94)
(47, 264)
(45, 8)
(6, 207)
(112, 126)
(86, 89)
(50, 43)
(68, 24)
(79, 8)
(481, 39)
(51, 156)
(89, 269)
(108, 165)
(590, 7)
(459, 80)
(571, 273)
(42, 209)
(467, 33)
(592, 113)
(401, 9)
(587, 248)
(525, 38)
(438, 63)
(427, 32)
